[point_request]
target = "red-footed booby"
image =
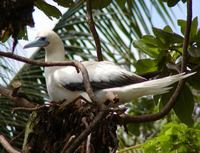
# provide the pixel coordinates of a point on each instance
(64, 83)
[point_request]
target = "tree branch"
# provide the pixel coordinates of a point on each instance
(7, 146)
(187, 36)
(93, 30)
(124, 119)
(19, 101)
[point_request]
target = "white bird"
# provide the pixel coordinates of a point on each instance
(64, 83)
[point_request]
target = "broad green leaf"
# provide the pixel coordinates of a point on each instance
(184, 105)
(194, 26)
(145, 66)
(150, 40)
(147, 49)
(49, 10)
(166, 37)
(99, 4)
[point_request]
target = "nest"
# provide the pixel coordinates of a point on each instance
(53, 129)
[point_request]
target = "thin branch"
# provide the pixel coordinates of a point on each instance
(187, 36)
(38, 63)
(95, 35)
(19, 101)
(36, 108)
(6, 145)
(76, 64)
(124, 119)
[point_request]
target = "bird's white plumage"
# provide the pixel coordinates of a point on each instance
(103, 75)
(98, 71)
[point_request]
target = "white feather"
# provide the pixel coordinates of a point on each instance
(152, 87)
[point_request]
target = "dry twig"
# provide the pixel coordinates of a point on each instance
(95, 35)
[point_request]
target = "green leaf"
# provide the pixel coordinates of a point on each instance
(194, 27)
(184, 105)
(168, 29)
(65, 3)
(134, 129)
(49, 10)
(194, 49)
(99, 4)
(194, 81)
(121, 3)
(145, 66)
(150, 40)
(172, 3)
(167, 37)
(149, 50)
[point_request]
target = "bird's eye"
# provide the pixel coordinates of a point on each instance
(43, 38)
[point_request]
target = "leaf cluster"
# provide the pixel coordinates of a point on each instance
(164, 50)
(174, 138)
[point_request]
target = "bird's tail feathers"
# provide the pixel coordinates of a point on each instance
(152, 87)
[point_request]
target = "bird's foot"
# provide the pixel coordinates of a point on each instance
(111, 98)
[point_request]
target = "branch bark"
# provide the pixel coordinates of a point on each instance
(95, 35)
(7, 146)
(124, 119)
(19, 101)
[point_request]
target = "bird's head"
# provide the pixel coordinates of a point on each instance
(45, 39)
(52, 44)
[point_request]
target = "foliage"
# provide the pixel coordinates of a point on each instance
(165, 47)
(171, 139)
(174, 138)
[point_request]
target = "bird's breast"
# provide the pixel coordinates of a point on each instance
(58, 93)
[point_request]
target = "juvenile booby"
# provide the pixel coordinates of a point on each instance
(64, 83)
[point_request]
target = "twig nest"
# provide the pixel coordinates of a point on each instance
(51, 129)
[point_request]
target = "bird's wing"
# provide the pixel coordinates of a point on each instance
(102, 75)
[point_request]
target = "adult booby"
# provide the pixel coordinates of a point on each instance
(64, 83)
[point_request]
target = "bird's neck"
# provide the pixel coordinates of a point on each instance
(55, 53)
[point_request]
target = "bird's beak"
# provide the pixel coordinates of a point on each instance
(38, 42)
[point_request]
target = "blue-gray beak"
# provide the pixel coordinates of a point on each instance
(38, 42)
